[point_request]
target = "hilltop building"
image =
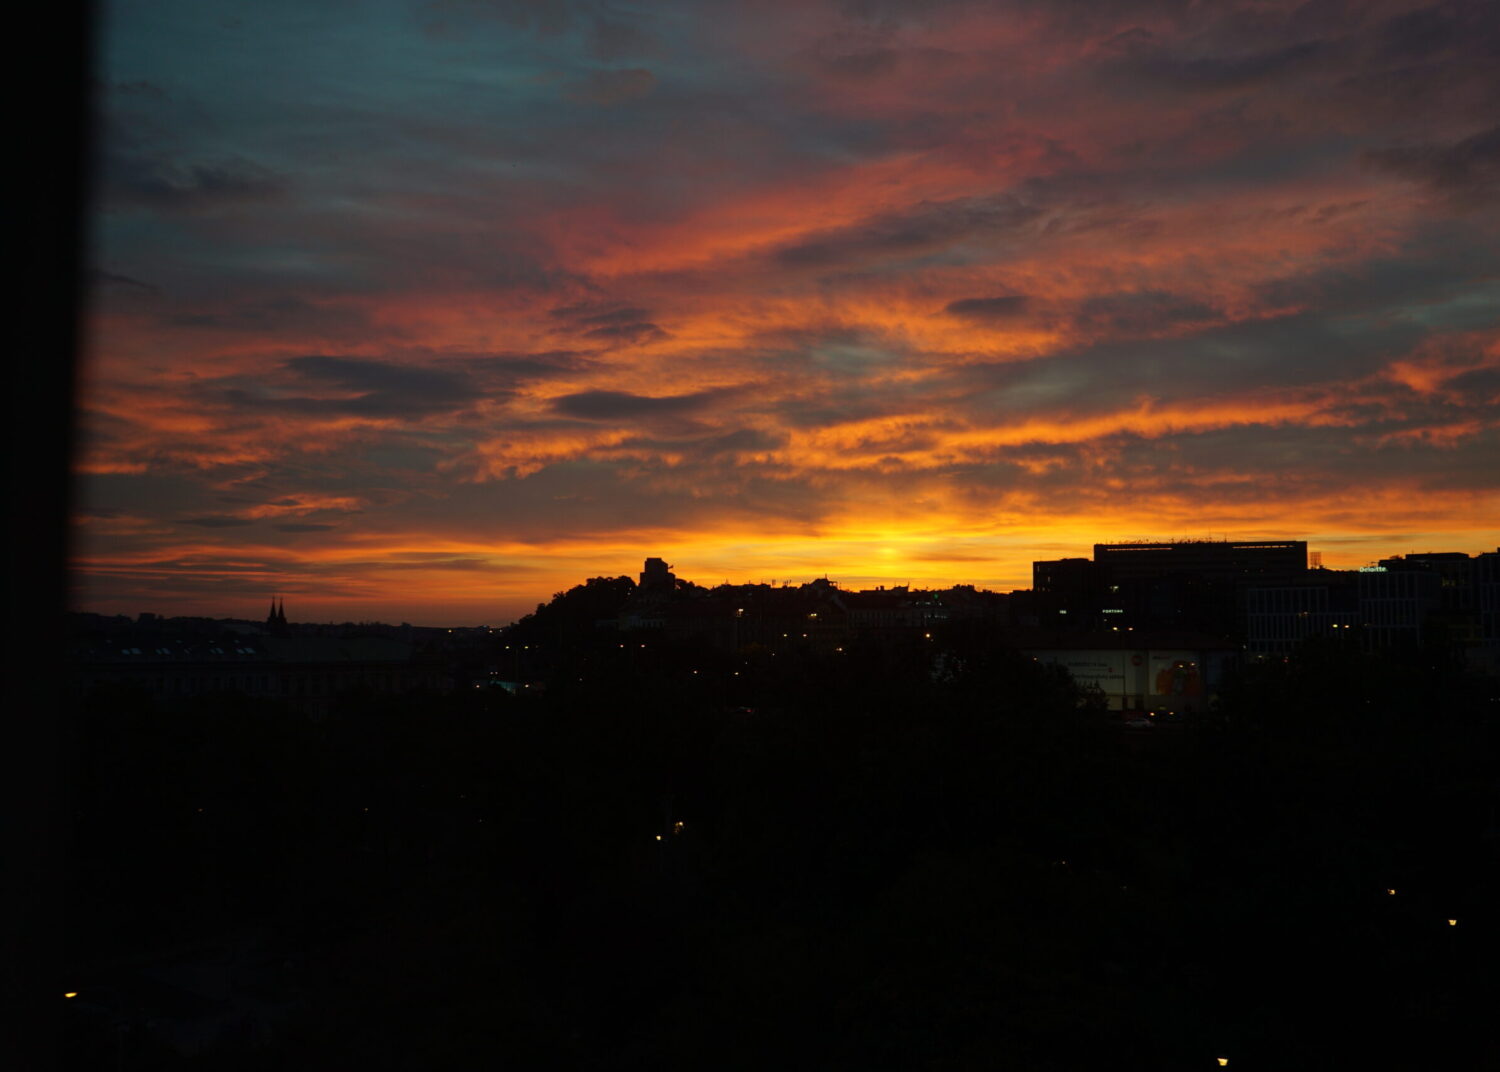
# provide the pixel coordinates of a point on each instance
(657, 576)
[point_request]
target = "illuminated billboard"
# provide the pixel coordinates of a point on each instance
(1169, 679)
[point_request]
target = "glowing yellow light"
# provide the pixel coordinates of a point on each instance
(658, 837)
(1453, 923)
(71, 994)
(677, 827)
(1391, 892)
(1223, 1061)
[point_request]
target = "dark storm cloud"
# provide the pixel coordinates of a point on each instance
(621, 405)
(1446, 28)
(628, 315)
(627, 334)
(1466, 172)
(1315, 459)
(303, 526)
(925, 228)
(136, 179)
(278, 313)
(628, 325)
(1413, 35)
(1006, 307)
(1483, 385)
(357, 387)
(1235, 71)
(1435, 266)
(384, 386)
(219, 521)
(742, 441)
(433, 562)
(510, 369)
(1294, 350)
(102, 278)
(700, 448)
(1143, 312)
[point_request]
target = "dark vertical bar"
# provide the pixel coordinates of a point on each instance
(49, 196)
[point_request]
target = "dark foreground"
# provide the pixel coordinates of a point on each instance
(842, 861)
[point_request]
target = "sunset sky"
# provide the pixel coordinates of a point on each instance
(426, 309)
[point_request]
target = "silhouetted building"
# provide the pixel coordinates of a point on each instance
(887, 611)
(1487, 605)
(657, 575)
(1435, 599)
(276, 620)
(1197, 585)
(1394, 604)
(1324, 603)
(1268, 560)
(1070, 579)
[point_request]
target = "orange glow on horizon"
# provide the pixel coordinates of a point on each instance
(794, 290)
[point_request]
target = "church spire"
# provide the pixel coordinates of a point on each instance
(276, 620)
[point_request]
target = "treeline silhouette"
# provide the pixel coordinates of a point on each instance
(933, 854)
